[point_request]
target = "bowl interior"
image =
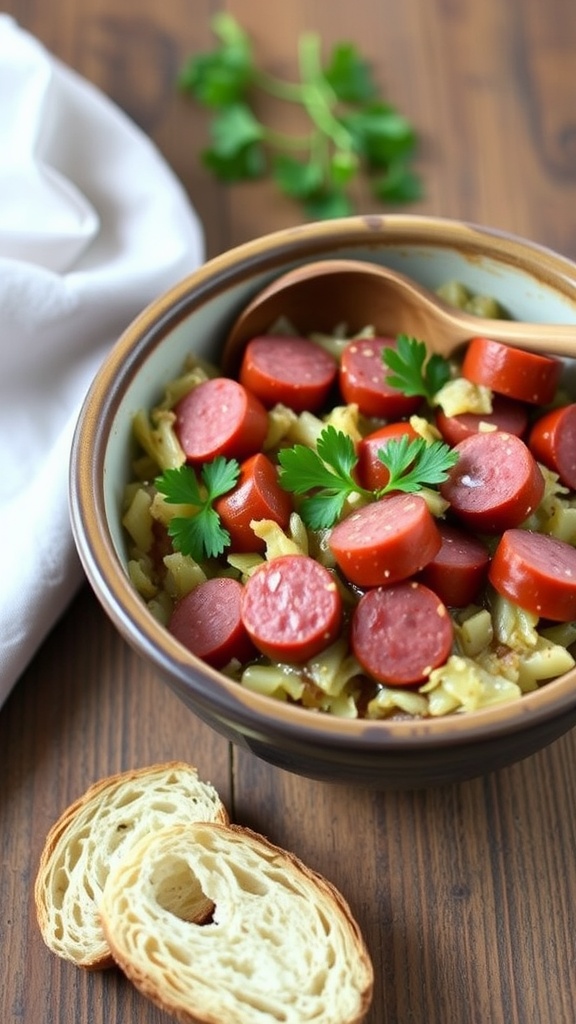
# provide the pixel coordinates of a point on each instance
(531, 283)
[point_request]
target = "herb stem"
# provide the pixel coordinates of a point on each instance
(314, 94)
(280, 140)
(292, 92)
(318, 97)
(344, 130)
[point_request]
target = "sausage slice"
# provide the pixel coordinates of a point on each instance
(459, 570)
(495, 484)
(291, 608)
(363, 380)
(507, 414)
(294, 371)
(208, 622)
(511, 371)
(537, 572)
(552, 441)
(257, 495)
(220, 417)
(385, 541)
(400, 633)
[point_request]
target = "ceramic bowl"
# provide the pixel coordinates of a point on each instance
(532, 282)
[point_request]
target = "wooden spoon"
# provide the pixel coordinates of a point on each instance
(318, 296)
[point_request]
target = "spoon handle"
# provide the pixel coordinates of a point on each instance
(545, 339)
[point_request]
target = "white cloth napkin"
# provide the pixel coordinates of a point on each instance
(93, 225)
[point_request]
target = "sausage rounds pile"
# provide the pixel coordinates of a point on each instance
(390, 574)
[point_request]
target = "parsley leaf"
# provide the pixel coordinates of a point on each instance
(414, 372)
(223, 76)
(236, 149)
(414, 464)
(350, 75)
(398, 185)
(328, 203)
(297, 178)
(328, 472)
(382, 134)
(349, 130)
(234, 128)
(200, 534)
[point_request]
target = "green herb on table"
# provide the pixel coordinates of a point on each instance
(349, 129)
(414, 371)
(328, 472)
(200, 534)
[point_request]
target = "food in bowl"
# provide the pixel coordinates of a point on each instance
(399, 752)
(359, 527)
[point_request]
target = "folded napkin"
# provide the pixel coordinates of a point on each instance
(93, 225)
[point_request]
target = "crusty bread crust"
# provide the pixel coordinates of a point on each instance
(93, 834)
(280, 947)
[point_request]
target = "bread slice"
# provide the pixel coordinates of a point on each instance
(280, 946)
(93, 834)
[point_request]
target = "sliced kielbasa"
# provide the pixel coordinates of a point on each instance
(293, 371)
(400, 633)
(372, 473)
(552, 441)
(363, 380)
(495, 484)
(220, 417)
(459, 570)
(507, 414)
(385, 541)
(292, 608)
(257, 495)
(511, 371)
(537, 572)
(208, 621)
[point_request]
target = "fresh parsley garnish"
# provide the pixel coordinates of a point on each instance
(328, 472)
(327, 468)
(414, 464)
(414, 371)
(349, 128)
(200, 534)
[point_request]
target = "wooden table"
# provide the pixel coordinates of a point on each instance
(465, 894)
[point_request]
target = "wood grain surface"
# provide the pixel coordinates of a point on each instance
(465, 894)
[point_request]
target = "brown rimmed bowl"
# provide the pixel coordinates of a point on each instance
(533, 283)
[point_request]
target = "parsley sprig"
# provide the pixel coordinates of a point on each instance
(414, 371)
(328, 472)
(349, 128)
(200, 534)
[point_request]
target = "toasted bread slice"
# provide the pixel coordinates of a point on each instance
(94, 833)
(280, 945)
